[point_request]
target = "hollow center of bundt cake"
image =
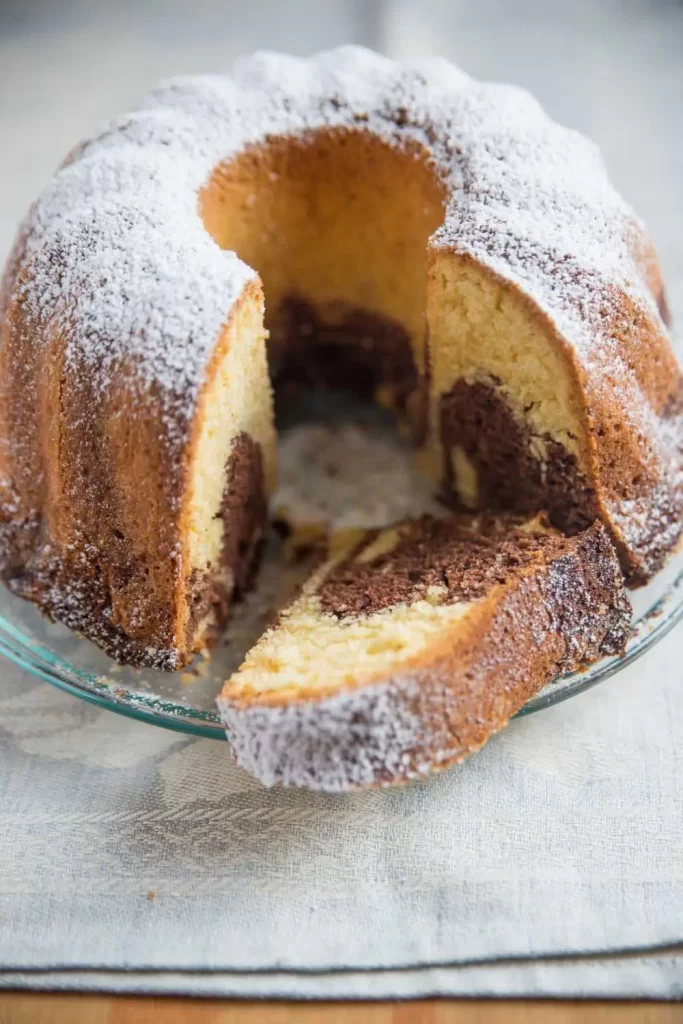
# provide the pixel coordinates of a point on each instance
(336, 223)
(341, 226)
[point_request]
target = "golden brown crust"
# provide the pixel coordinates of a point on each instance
(94, 500)
(552, 621)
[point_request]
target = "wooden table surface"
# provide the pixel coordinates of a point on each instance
(24, 1008)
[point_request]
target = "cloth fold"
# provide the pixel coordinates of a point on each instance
(651, 977)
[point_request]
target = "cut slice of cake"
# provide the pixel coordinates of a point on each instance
(408, 647)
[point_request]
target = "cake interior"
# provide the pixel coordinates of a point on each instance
(337, 224)
(382, 597)
(505, 406)
(231, 473)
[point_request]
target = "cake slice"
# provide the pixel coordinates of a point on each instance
(408, 647)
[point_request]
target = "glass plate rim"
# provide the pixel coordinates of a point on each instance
(653, 625)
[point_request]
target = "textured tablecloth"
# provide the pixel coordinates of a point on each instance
(552, 864)
(124, 847)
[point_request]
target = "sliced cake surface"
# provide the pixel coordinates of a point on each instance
(409, 646)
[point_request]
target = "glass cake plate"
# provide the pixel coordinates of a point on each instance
(338, 471)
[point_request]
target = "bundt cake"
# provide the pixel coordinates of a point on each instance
(409, 646)
(433, 241)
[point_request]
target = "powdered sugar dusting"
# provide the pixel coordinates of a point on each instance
(119, 257)
(355, 738)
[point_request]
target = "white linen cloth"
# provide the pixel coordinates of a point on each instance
(141, 860)
(134, 859)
